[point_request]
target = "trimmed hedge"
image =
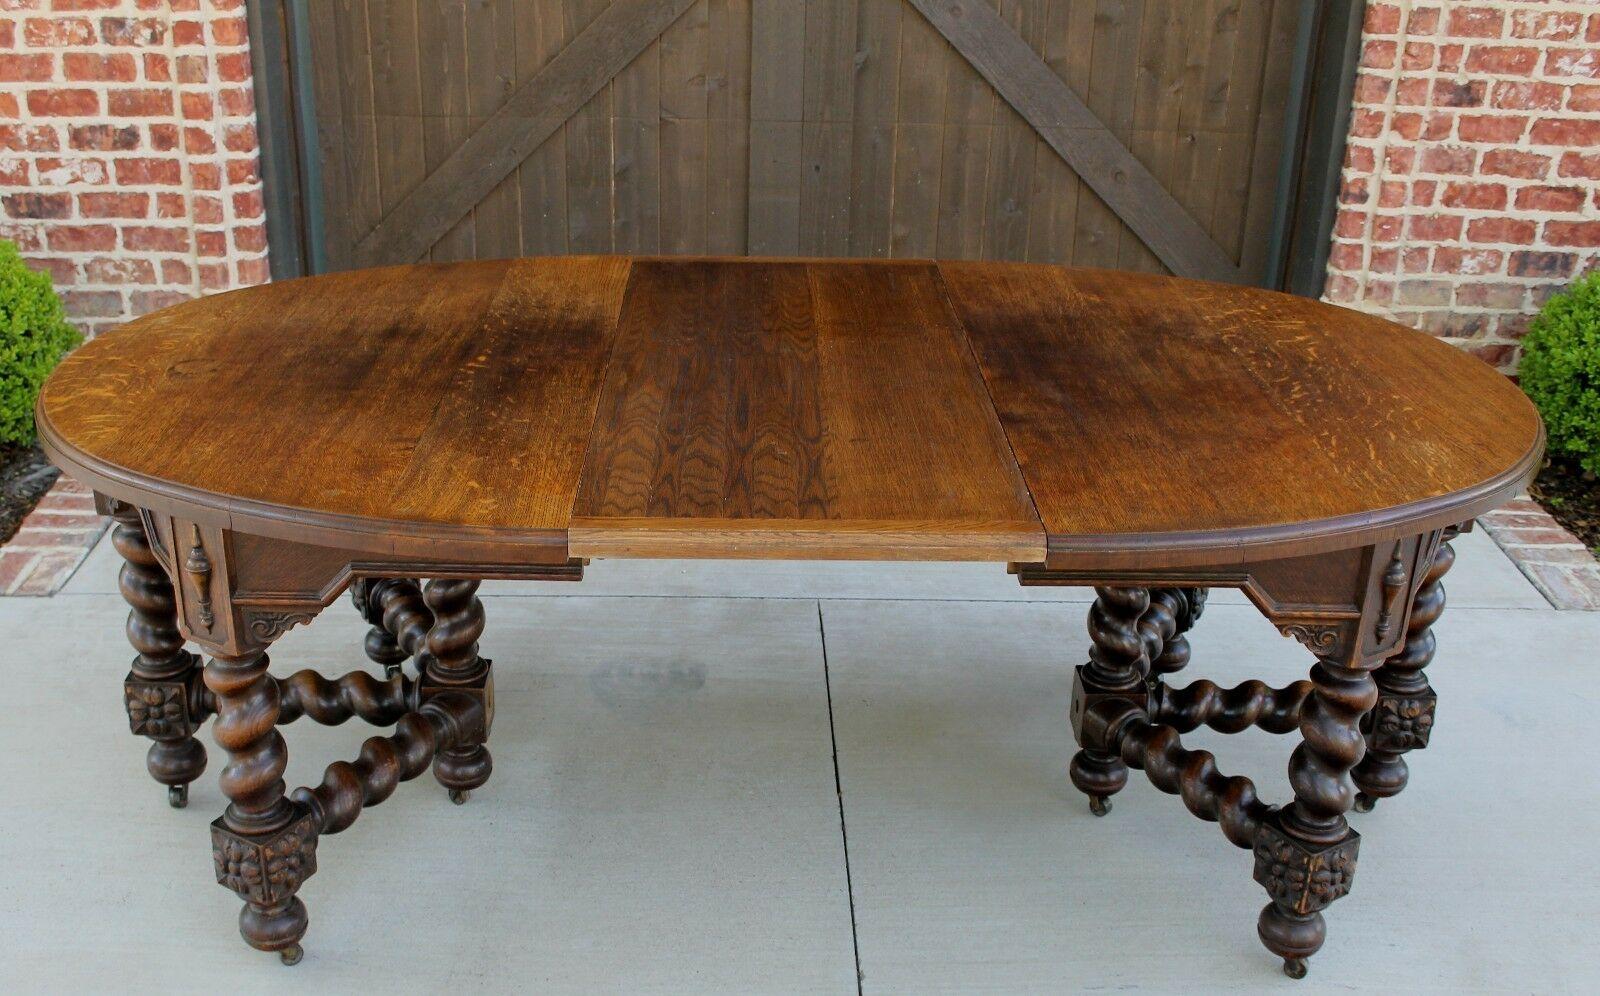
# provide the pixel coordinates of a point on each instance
(1560, 371)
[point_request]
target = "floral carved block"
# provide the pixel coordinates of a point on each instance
(157, 709)
(1402, 722)
(1304, 877)
(268, 869)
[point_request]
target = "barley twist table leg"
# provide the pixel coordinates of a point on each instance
(1165, 625)
(264, 845)
(1306, 853)
(381, 646)
(452, 663)
(1117, 668)
(1403, 717)
(163, 690)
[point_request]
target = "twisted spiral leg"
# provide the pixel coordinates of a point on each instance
(264, 845)
(331, 701)
(1306, 853)
(163, 691)
(1403, 717)
(1172, 613)
(403, 612)
(1115, 673)
(1231, 710)
(1193, 775)
(384, 762)
(452, 663)
(381, 646)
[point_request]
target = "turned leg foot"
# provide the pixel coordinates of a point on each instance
(1114, 676)
(264, 845)
(163, 692)
(1306, 853)
(452, 664)
(1403, 717)
(1099, 777)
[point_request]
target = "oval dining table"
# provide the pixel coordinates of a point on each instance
(264, 450)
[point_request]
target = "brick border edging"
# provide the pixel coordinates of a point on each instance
(1563, 570)
(52, 542)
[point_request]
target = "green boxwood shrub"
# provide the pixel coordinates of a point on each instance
(1560, 370)
(34, 335)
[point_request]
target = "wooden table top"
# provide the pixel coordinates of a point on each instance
(616, 407)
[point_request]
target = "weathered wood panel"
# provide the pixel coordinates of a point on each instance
(805, 127)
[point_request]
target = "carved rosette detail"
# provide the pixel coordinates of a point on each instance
(1402, 723)
(1300, 877)
(157, 709)
(197, 567)
(266, 870)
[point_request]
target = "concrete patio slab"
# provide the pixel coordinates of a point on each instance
(662, 818)
(976, 866)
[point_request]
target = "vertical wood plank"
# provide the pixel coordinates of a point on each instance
(964, 167)
(1110, 96)
(728, 126)
(338, 140)
(683, 132)
(873, 126)
(442, 47)
(541, 178)
(919, 140)
(1009, 198)
(397, 95)
(636, 154)
(1068, 51)
(1267, 145)
(827, 112)
(491, 76)
(589, 166)
(775, 118)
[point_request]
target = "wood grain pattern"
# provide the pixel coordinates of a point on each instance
(597, 406)
(759, 410)
(531, 115)
(452, 397)
(1148, 410)
(789, 127)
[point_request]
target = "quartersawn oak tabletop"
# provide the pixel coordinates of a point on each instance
(790, 408)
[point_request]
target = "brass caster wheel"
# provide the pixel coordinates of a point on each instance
(1099, 805)
(292, 954)
(177, 796)
(1365, 802)
(460, 796)
(1294, 968)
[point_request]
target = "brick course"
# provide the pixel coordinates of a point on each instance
(1471, 185)
(128, 159)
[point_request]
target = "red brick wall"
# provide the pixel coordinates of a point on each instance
(128, 156)
(1471, 188)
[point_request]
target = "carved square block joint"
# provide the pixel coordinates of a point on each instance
(266, 869)
(157, 709)
(1087, 696)
(482, 688)
(1301, 876)
(1402, 722)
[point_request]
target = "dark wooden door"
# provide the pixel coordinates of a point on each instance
(1133, 134)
